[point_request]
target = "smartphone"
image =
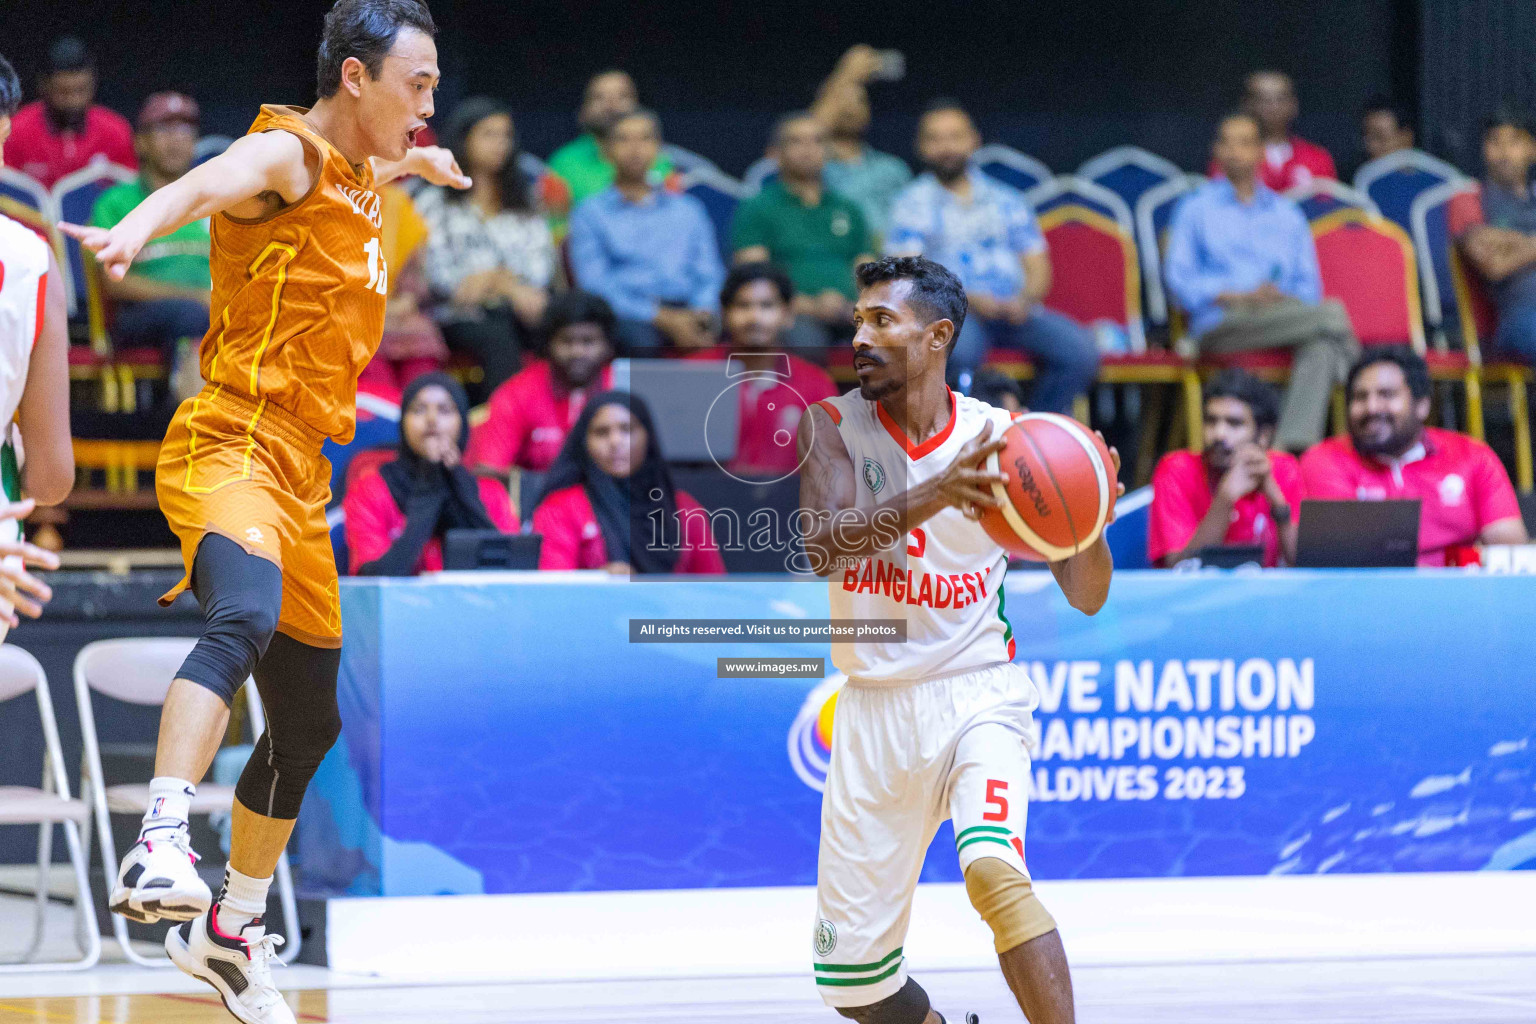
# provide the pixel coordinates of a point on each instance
(893, 66)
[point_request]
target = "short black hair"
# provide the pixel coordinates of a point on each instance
(936, 293)
(68, 53)
(646, 112)
(1415, 369)
(939, 103)
(784, 121)
(365, 29)
(743, 274)
(604, 74)
(1238, 114)
(1258, 396)
(1381, 103)
(577, 307)
(1509, 114)
(10, 89)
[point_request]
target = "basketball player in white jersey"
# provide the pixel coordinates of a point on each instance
(934, 727)
(34, 393)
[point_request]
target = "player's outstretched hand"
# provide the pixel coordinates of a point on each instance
(965, 484)
(437, 165)
(1114, 453)
(115, 249)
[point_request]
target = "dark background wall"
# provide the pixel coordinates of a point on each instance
(1062, 80)
(1475, 54)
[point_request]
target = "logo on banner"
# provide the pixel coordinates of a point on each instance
(810, 737)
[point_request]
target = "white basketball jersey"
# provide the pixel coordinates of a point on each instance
(23, 280)
(23, 287)
(944, 577)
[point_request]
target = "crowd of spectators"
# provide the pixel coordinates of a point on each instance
(529, 284)
(1239, 491)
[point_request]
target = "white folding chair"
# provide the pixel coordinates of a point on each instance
(46, 807)
(139, 670)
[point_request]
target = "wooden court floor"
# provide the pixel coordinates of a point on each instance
(1473, 990)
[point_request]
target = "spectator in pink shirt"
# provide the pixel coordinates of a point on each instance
(1289, 160)
(775, 387)
(610, 503)
(530, 414)
(1237, 491)
(1390, 453)
(64, 131)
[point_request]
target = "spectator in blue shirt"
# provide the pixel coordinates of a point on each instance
(984, 233)
(1242, 266)
(651, 253)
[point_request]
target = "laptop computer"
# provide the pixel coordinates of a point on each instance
(1230, 556)
(681, 394)
(490, 549)
(1358, 534)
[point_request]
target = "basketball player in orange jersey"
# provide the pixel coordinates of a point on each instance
(933, 727)
(299, 283)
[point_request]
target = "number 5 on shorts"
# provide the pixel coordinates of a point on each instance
(995, 798)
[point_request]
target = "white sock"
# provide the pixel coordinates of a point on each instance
(243, 900)
(170, 802)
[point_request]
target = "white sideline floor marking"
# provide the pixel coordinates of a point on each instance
(1469, 997)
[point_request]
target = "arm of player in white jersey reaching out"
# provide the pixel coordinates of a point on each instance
(838, 534)
(256, 176)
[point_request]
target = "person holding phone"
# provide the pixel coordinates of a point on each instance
(855, 168)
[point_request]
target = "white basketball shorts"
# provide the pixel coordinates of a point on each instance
(905, 757)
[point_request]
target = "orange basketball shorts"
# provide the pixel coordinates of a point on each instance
(247, 470)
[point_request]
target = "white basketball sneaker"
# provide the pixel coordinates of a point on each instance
(158, 879)
(239, 967)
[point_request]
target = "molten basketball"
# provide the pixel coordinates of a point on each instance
(1060, 491)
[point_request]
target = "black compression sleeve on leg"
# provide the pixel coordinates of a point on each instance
(298, 692)
(241, 595)
(908, 1006)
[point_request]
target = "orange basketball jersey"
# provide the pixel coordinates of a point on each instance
(298, 297)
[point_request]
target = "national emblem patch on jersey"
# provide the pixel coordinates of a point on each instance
(874, 475)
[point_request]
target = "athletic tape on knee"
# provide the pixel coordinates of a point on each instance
(1006, 900)
(909, 1005)
(298, 689)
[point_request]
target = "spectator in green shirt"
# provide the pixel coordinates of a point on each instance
(814, 233)
(163, 300)
(580, 163)
(857, 170)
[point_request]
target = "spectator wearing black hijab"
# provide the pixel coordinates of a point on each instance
(397, 513)
(607, 494)
(490, 256)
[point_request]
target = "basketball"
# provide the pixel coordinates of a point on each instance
(1060, 491)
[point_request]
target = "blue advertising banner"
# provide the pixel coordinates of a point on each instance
(502, 735)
